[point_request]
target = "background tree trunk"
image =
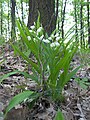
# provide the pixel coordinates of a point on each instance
(81, 26)
(63, 18)
(1, 18)
(76, 24)
(13, 4)
(8, 20)
(47, 14)
(22, 11)
(88, 21)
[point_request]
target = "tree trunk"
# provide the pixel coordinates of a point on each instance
(63, 18)
(75, 15)
(13, 4)
(81, 26)
(8, 20)
(88, 21)
(47, 14)
(1, 19)
(22, 10)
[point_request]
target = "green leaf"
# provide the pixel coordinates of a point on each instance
(34, 77)
(34, 97)
(60, 65)
(30, 44)
(70, 75)
(3, 77)
(38, 21)
(36, 67)
(59, 116)
(18, 99)
(83, 85)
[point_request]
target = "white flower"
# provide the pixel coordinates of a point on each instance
(54, 44)
(52, 36)
(34, 39)
(46, 41)
(57, 44)
(39, 29)
(57, 38)
(56, 35)
(32, 27)
(41, 37)
(70, 51)
(28, 37)
(30, 30)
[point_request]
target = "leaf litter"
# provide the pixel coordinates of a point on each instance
(75, 107)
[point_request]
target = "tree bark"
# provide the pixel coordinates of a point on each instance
(13, 4)
(8, 20)
(63, 18)
(81, 26)
(22, 10)
(75, 15)
(47, 14)
(88, 21)
(1, 19)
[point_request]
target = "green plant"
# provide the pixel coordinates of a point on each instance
(84, 83)
(3, 77)
(59, 115)
(51, 65)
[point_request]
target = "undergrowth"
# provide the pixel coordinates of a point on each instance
(50, 67)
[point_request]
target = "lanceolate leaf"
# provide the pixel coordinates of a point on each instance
(38, 21)
(30, 44)
(36, 67)
(33, 77)
(26, 75)
(70, 75)
(18, 99)
(3, 77)
(59, 116)
(60, 65)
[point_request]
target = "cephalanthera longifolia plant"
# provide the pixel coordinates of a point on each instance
(51, 65)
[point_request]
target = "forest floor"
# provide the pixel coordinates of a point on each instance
(76, 105)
